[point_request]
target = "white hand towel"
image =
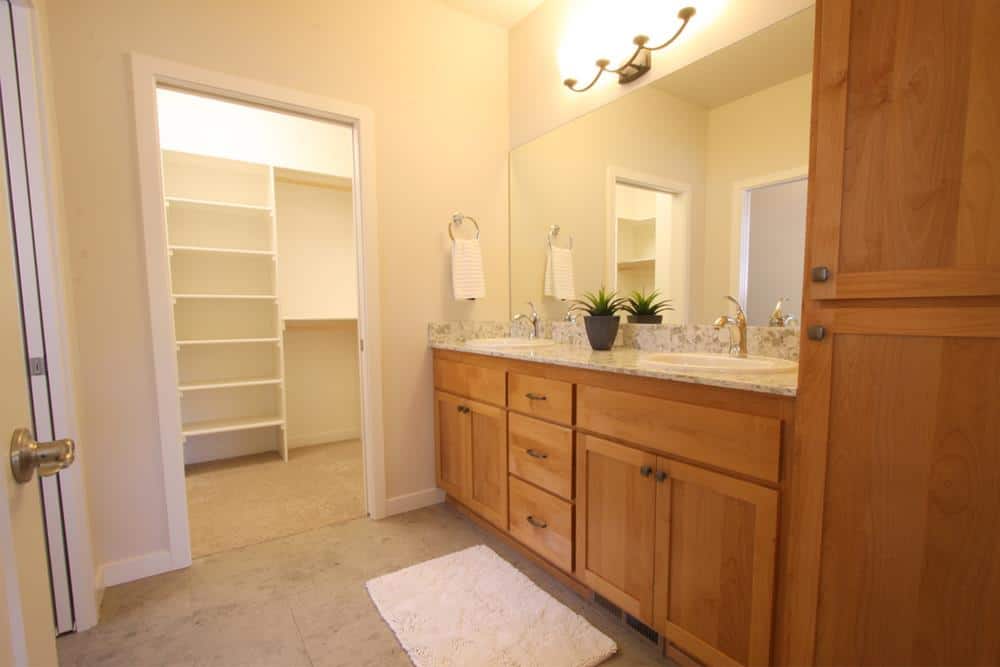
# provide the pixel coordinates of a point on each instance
(467, 280)
(559, 282)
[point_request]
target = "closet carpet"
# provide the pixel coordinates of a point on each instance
(251, 499)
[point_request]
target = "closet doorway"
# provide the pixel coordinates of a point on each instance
(263, 278)
(257, 255)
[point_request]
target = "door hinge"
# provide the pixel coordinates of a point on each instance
(36, 366)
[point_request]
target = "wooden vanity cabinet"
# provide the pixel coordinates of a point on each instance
(472, 455)
(661, 497)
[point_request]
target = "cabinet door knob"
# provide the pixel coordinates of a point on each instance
(537, 523)
(535, 397)
(534, 453)
(820, 274)
(646, 471)
(661, 476)
(816, 332)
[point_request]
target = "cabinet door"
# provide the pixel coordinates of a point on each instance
(616, 501)
(487, 432)
(452, 440)
(714, 567)
(906, 147)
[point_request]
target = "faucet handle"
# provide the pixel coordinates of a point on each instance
(532, 306)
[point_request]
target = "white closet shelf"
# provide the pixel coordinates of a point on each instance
(226, 425)
(636, 263)
(227, 341)
(184, 201)
(221, 251)
(272, 297)
(227, 384)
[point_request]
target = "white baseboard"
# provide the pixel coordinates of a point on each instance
(413, 501)
(139, 567)
(323, 437)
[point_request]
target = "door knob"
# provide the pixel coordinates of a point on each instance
(661, 476)
(48, 457)
(646, 471)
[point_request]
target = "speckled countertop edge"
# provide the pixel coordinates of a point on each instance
(627, 361)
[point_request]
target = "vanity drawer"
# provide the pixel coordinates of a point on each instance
(541, 453)
(541, 397)
(734, 441)
(483, 384)
(542, 522)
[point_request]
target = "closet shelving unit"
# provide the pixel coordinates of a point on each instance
(222, 246)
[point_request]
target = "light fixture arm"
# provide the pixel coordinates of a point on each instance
(631, 70)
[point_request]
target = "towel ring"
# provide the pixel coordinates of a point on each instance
(458, 219)
(554, 232)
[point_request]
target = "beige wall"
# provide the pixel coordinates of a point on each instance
(560, 178)
(436, 81)
(538, 101)
(753, 137)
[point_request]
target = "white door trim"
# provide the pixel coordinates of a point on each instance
(147, 73)
(739, 234)
(40, 175)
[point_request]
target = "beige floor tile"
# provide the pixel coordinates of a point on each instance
(299, 600)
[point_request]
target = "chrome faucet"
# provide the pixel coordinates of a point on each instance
(738, 324)
(536, 322)
(778, 317)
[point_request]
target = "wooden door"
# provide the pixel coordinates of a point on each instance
(714, 569)
(451, 428)
(27, 632)
(487, 433)
(895, 484)
(616, 504)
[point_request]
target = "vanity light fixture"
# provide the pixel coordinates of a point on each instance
(639, 63)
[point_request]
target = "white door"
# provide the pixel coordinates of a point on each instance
(27, 633)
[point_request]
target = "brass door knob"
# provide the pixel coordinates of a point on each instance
(48, 457)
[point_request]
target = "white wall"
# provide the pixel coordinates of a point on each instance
(317, 268)
(322, 383)
(441, 139)
(538, 100)
(779, 141)
(210, 126)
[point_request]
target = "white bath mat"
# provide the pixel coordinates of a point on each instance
(473, 608)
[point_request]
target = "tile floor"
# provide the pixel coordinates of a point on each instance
(238, 502)
(298, 600)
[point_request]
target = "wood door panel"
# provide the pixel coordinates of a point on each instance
(476, 382)
(451, 428)
(617, 506)
(541, 397)
(907, 150)
(715, 560)
(488, 462)
(541, 453)
(543, 522)
(911, 556)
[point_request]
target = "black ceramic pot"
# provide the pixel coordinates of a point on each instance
(645, 319)
(601, 330)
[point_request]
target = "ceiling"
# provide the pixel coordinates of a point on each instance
(504, 13)
(775, 54)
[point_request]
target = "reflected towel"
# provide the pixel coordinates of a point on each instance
(467, 280)
(559, 282)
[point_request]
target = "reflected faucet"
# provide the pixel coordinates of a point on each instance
(536, 322)
(778, 317)
(738, 324)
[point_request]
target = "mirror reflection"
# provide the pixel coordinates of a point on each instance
(693, 186)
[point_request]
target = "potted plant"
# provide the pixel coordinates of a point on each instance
(644, 308)
(601, 319)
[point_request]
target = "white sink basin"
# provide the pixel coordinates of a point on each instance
(724, 363)
(512, 343)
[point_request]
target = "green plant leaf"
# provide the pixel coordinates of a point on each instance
(642, 303)
(600, 304)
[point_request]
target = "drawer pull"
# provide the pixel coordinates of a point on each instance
(534, 453)
(661, 476)
(646, 471)
(531, 396)
(537, 523)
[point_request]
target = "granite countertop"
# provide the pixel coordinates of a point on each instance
(627, 361)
